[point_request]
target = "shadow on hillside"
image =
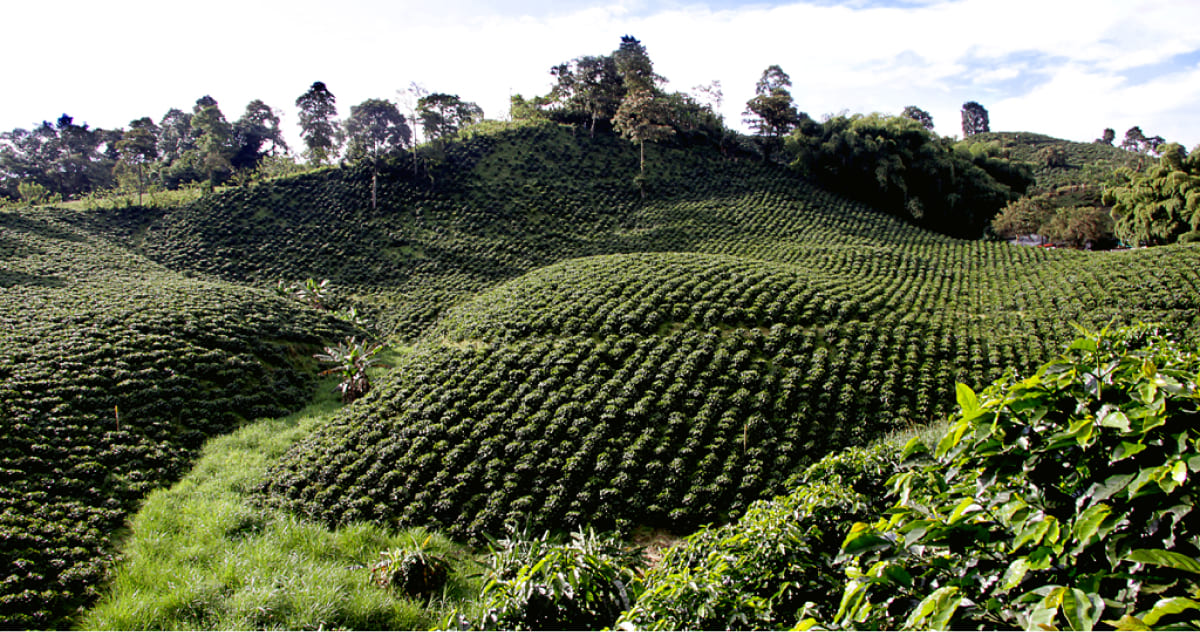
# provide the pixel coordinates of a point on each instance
(9, 278)
(40, 228)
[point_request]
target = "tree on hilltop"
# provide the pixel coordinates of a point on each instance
(214, 139)
(1107, 137)
(318, 123)
(974, 119)
(590, 86)
(375, 129)
(443, 115)
(1161, 205)
(771, 112)
(138, 148)
(257, 135)
(917, 114)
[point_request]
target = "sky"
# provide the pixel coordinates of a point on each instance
(1067, 68)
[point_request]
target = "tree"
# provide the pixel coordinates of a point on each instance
(214, 139)
(256, 135)
(917, 114)
(375, 128)
(588, 87)
(1107, 137)
(1161, 205)
(771, 113)
(411, 97)
(443, 115)
(318, 123)
(1135, 140)
(974, 119)
(898, 166)
(643, 116)
(634, 66)
(138, 148)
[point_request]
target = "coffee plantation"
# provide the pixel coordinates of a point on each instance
(574, 355)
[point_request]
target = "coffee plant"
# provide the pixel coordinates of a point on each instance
(1062, 500)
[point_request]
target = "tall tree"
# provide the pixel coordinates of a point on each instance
(137, 149)
(375, 128)
(318, 123)
(175, 135)
(974, 119)
(443, 115)
(917, 114)
(771, 112)
(634, 66)
(256, 135)
(1107, 137)
(643, 116)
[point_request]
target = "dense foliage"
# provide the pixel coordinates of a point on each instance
(898, 166)
(776, 565)
(112, 372)
(1064, 499)
(1161, 205)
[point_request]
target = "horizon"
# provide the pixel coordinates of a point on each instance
(1067, 69)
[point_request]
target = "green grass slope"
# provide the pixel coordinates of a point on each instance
(113, 370)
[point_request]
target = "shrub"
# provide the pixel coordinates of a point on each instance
(538, 584)
(1064, 499)
(411, 570)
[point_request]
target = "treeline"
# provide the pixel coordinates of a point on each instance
(64, 160)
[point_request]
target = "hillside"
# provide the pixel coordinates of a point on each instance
(580, 353)
(1080, 165)
(113, 371)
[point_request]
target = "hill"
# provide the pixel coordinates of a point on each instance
(113, 371)
(736, 319)
(1059, 163)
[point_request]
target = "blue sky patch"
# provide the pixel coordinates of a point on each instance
(1138, 75)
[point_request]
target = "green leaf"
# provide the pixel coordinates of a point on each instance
(1087, 524)
(934, 611)
(1126, 450)
(1160, 557)
(1082, 610)
(1128, 623)
(1169, 606)
(1113, 418)
(1015, 573)
(966, 400)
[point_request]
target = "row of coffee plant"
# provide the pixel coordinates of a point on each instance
(113, 371)
(671, 390)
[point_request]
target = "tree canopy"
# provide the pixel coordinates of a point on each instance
(1160, 205)
(900, 167)
(318, 123)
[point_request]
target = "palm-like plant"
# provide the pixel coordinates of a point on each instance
(352, 358)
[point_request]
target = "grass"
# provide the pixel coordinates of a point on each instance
(202, 555)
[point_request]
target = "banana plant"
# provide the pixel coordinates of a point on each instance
(352, 359)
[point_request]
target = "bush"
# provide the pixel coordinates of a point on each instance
(1064, 499)
(538, 584)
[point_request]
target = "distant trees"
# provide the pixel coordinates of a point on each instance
(898, 166)
(1137, 141)
(1161, 205)
(974, 119)
(318, 123)
(1107, 137)
(917, 114)
(443, 115)
(770, 113)
(1072, 225)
